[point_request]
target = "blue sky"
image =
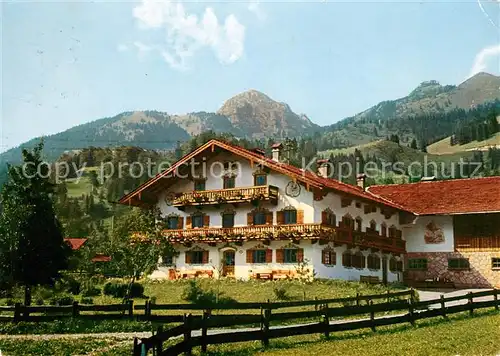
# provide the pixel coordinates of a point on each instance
(67, 63)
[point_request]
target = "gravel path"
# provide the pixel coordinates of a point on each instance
(424, 295)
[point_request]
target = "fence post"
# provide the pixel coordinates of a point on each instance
(17, 312)
(75, 310)
(372, 316)
(471, 304)
(410, 313)
(137, 350)
(187, 334)
(388, 296)
(131, 308)
(159, 347)
(443, 307)
(412, 294)
(316, 304)
(495, 297)
(204, 330)
(357, 299)
(326, 321)
(265, 325)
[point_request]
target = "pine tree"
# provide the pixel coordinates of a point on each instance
(32, 247)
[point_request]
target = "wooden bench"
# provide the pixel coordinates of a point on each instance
(284, 274)
(262, 274)
(369, 279)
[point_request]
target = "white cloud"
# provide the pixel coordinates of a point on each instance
(481, 61)
(186, 34)
(254, 6)
(122, 48)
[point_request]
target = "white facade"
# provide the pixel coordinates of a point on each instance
(415, 234)
(312, 213)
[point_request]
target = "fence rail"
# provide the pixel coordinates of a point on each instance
(145, 312)
(413, 311)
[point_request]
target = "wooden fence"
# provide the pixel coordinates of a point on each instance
(145, 312)
(412, 311)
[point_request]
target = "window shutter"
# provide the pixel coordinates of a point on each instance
(280, 217)
(300, 255)
(269, 255)
(300, 216)
(188, 257)
(362, 261)
(250, 219)
(180, 222)
(269, 218)
(206, 220)
(279, 256)
(324, 217)
(249, 256)
(188, 222)
(323, 257)
(204, 258)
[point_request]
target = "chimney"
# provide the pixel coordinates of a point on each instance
(322, 165)
(276, 151)
(361, 181)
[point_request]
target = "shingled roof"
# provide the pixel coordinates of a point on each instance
(75, 243)
(445, 197)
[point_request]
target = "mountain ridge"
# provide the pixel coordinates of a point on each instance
(254, 115)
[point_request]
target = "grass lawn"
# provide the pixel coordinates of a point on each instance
(462, 335)
(444, 147)
(170, 292)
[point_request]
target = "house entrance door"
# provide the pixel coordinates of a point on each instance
(228, 263)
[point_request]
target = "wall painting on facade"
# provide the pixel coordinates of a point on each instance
(433, 234)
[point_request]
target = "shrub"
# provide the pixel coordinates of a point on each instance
(87, 300)
(63, 299)
(119, 290)
(195, 294)
(39, 301)
(281, 293)
(91, 292)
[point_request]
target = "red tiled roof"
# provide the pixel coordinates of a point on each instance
(457, 196)
(304, 176)
(75, 243)
(101, 258)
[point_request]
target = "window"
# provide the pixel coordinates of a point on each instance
(228, 220)
(495, 263)
(417, 264)
(383, 230)
(199, 184)
(259, 218)
(358, 260)
(347, 259)
(260, 179)
(229, 182)
(393, 232)
(373, 226)
(172, 222)
(290, 255)
(458, 263)
(373, 262)
(197, 220)
(259, 256)
(196, 257)
(348, 222)
(167, 259)
(290, 216)
(329, 257)
(328, 218)
(359, 224)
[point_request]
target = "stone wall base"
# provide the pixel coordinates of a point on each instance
(480, 274)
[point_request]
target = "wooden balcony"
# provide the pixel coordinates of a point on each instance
(287, 232)
(228, 196)
(477, 244)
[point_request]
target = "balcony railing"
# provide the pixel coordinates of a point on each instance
(227, 196)
(477, 244)
(289, 231)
